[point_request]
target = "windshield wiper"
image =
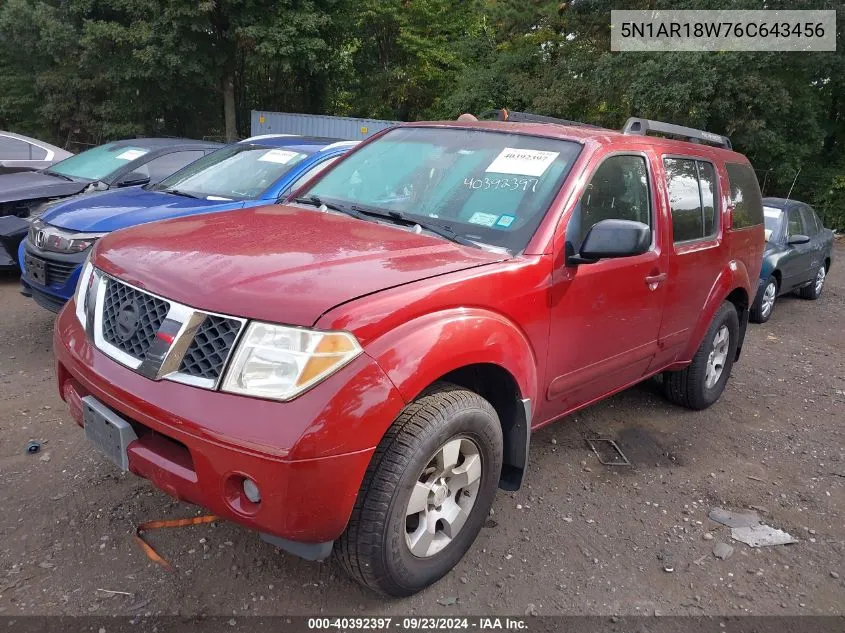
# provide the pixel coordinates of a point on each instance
(178, 192)
(316, 201)
(399, 218)
(58, 175)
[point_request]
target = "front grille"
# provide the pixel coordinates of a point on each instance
(207, 353)
(151, 312)
(58, 272)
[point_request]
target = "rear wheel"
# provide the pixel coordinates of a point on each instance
(426, 493)
(814, 290)
(702, 382)
(765, 303)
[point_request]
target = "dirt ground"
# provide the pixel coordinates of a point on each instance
(580, 538)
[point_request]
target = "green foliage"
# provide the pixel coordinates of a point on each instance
(83, 71)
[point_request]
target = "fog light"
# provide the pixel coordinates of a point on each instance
(251, 491)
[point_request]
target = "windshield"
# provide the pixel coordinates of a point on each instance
(485, 186)
(234, 172)
(773, 219)
(98, 163)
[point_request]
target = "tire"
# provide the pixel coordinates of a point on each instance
(376, 548)
(762, 310)
(689, 386)
(814, 290)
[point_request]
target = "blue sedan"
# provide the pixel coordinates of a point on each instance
(254, 172)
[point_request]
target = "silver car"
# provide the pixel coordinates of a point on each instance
(21, 153)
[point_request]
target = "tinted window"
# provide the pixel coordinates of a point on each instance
(163, 166)
(100, 162)
(692, 198)
(745, 196)
(237, 172)
(489, 187)
(707, 182)
(16, 149)
(684, 199)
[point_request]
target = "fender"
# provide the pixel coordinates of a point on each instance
(422, 350)
(425, 349)
(734, 276)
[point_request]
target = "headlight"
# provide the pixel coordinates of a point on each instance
(83, 288)
(280, 362)
(58, 240)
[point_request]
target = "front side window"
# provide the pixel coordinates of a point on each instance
(809, 219)
(98, 163)
(795, 224)
(488, 187)
(238, 172)
(163, 166)
(618, 190)
(692, 198)
(745, 196)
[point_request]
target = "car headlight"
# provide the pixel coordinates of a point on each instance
(84, 292)
(58, 240)
(280, 362)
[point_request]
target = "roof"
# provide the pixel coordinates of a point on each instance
(597, 135)
(161, 143)
(305, 144)
(781, 203)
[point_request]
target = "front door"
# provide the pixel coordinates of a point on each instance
(605, 316)
(795, 265)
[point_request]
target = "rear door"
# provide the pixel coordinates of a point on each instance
(693, 198)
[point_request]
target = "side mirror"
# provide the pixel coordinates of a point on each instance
(611, 239)
(797, 239)
(132, 179)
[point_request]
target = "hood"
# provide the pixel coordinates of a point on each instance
(121, 208)
(277, 263)
(29, 185)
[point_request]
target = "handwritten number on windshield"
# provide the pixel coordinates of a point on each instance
(510, 184)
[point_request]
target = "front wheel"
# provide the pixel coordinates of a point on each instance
(765, 303)
(700, 384)
(426, 493)
(814, 290)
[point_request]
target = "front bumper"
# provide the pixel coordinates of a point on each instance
(308, 456)
(63, 274)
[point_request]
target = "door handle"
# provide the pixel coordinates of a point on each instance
(653, 280)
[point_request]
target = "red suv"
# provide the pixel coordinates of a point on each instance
(361, 368)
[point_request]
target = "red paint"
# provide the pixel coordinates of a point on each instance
(420, 307)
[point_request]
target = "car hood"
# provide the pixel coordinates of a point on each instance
(28, 185)
(121, 208)
(277, 263)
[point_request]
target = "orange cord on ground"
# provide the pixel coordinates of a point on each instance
(154, 525)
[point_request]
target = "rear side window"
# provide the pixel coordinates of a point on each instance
(745, 196)
(692, 198)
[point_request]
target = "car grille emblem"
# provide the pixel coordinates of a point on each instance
(40, 238)
(127, 319)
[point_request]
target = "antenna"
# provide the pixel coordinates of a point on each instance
(793, 183)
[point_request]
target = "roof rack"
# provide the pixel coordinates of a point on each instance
(635, 125)
(526, 117)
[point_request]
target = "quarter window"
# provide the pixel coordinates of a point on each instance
(618, 190)
(745, 196)
(692, 198)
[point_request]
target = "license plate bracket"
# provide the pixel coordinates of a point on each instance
(36, 269)
(107, 431)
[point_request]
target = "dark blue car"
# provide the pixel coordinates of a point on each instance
(797, 255)
(254, 172)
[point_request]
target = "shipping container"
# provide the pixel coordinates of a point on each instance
(347, 128)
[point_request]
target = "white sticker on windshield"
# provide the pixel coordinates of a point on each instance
(524, 162)
(484, 219)
(281, 156)
(131, 154)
